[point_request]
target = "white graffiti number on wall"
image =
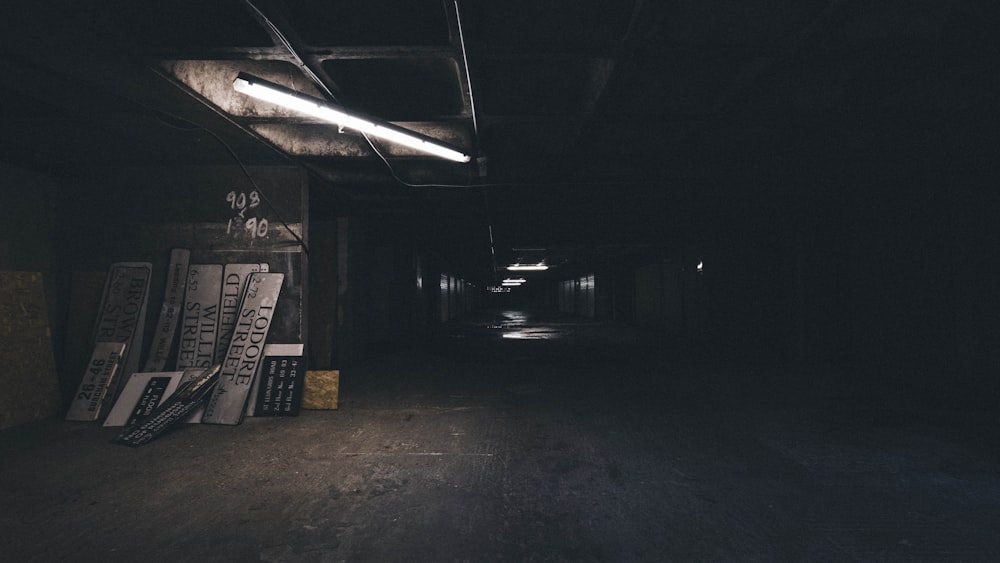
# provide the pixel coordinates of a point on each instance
(240, 203)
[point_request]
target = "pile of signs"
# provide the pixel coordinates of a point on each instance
(224, 368)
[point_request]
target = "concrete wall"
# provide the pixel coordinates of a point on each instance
(31, 308)
(888, 272)
(392, 292)
(578, 296)
(28, 235)
(899, 277)
(324, 289)
(659, 298)
(456, 297)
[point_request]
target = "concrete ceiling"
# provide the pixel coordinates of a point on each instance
(589, 120)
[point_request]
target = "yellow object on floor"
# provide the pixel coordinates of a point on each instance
(30, 386)
(322, 390)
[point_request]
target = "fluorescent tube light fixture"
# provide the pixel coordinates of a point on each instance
(527, 267)
(320, 109)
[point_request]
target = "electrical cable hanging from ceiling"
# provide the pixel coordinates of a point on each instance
(493, 247)
(312, 76)
(468, 77)
(475, 129)
(291, 50)
(320, 84)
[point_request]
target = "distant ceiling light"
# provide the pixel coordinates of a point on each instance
(515, 280)
(701, 267)
(511, 284)
(296, 101)
(527, 267)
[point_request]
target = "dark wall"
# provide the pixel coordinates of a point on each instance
(324, 290)
(884, 267)
(899, 277)
(32, 307)
(28, 221)
(393, 290)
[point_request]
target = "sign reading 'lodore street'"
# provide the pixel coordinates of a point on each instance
(234, 283)
(246, 350)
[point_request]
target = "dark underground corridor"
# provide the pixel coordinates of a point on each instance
(499, 280)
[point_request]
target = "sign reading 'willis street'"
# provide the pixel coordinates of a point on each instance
(200, 321)
(246, 350)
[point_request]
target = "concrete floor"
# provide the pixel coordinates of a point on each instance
(521, 438)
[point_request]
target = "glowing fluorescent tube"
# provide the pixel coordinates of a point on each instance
(290, 99)
(527, 267)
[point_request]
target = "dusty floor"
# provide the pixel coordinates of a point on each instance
(512, 439)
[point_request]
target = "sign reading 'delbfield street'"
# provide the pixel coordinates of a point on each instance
(246, 350)
(234, 283)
